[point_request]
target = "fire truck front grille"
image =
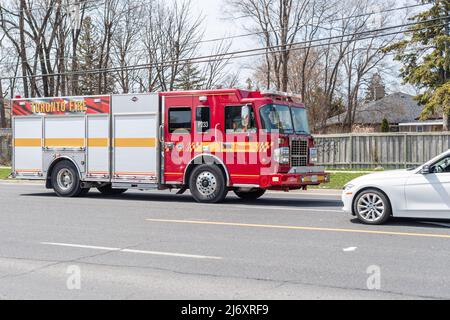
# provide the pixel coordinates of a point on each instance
(299, 153)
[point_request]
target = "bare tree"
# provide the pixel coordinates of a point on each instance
(45, 35)
(278, 22)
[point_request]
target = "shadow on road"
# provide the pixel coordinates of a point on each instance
(267, 201)
(413, 223)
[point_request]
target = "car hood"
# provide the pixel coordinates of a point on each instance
(383, 176)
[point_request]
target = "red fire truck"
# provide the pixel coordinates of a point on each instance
(210, 142)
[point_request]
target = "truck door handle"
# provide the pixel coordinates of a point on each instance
(169, 145)
(161, 134)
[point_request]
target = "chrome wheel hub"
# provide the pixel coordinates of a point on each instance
(206, 183)
(371, 207)
(65, 179)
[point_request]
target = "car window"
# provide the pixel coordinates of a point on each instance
(442, 166)
(180, 119)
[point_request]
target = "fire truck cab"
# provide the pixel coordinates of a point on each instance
(210, 142)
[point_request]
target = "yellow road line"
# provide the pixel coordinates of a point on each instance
(265, 226)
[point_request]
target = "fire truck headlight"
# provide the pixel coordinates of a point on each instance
(313, 155)
(281, 155)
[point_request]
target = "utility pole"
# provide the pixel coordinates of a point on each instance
(446, 12)
(2, 107)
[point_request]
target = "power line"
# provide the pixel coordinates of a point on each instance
(237, 54)
(63, 4)
(66, 58)
(330, 21)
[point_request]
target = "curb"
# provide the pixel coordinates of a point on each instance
(23, 182)
(325, 192)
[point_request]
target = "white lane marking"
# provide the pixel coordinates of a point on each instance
(170, 254)
(351, 249)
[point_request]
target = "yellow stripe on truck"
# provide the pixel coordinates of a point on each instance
(64, 143)
(27, 143)
(135, 142)
(98, 142)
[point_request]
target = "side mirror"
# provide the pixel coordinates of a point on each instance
(426, 170)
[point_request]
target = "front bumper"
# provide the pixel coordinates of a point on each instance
(347, 199)
(293, 181)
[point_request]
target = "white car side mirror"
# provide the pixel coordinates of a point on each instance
(426, 170)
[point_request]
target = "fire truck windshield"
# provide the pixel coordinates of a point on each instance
(285, 120)
(300, 120)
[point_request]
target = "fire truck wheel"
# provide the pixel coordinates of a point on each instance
(109, 191)
(250, 195)
(65, 180)
(207, 184)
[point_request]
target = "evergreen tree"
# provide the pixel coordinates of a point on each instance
(88, 57)
(190, 78)
(385, 125)
(425, 56)
(249, 84)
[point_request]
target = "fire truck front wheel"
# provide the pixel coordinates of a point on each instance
(65, 180)
(207, 184)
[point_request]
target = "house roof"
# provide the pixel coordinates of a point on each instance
(396, 108)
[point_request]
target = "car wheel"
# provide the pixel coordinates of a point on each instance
(250, 195)
(207, 184)
(109, 191)
(65, 180)
(372, 207)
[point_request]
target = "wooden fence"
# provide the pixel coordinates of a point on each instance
(348, 151)
(387, 150)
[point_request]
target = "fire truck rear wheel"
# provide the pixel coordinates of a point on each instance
(250, 195)
(66, 180)
(207, 184)
(109, 191)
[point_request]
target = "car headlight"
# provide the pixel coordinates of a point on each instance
(348, 187)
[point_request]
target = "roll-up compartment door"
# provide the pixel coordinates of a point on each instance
(135, 143)
(28, 159)
(65, 132)
(98, 143)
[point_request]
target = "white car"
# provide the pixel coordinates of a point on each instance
(423, 192)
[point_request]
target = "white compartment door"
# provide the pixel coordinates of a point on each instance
(98, 144)
(65, 132)
(28, 159)
(135, 148)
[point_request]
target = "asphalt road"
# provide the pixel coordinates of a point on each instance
(163, 246)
